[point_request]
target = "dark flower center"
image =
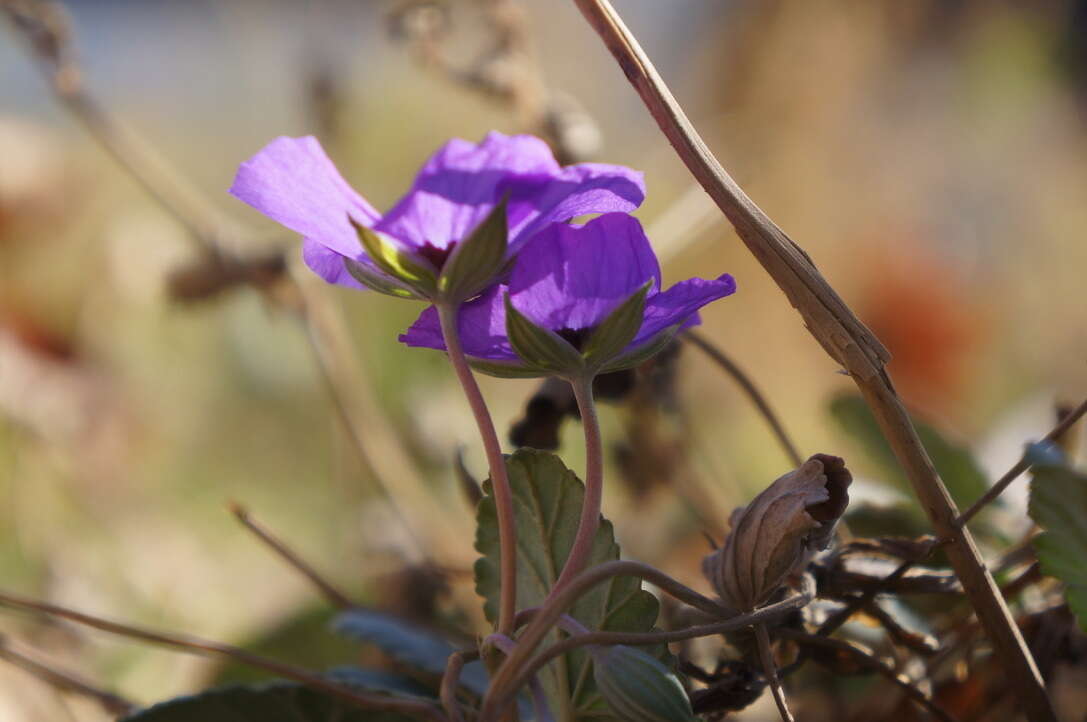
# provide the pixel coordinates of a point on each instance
(576, 336)
(437, 256)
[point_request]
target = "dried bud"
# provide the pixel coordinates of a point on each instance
(773, 534)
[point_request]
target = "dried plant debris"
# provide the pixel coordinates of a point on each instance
(774, 535)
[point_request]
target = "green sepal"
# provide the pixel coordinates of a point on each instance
(638, 687)
(377, 281)
(540, 347)
(615, 332)
(386, 254)
(506, 369)
(644, 352)
(477, 259)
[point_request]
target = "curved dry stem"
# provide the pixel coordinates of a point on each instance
(748, 386)
(203, 647)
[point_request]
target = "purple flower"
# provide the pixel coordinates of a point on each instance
(293, 182)
(572, 282)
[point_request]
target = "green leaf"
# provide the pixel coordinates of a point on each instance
(547, 503)
(615, 332)
(376, 281)
(411, 646)
(1058, 503)
(278, 701)
(954, 462)
(540, 347)
(477, 259)
(387, 255)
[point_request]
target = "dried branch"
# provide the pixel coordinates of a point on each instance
(748, 386)
(335, 597)
(203, 647)
(114, 705)
(1022, 465)
(843, 337)
(46, 27)
(869, 662)
(766, 657)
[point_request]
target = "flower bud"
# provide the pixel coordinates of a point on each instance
(774, 534)
(638, 687)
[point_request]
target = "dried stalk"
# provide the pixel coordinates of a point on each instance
(46, 27)
(748, 386)
(114, 705)
(203, 647)
(1013, 473)
(843, 337)
(334, 596)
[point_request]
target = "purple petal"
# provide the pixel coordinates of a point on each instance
(573, 276)
(482, 326)
(680, 304)
(292, 181)
(463, 181)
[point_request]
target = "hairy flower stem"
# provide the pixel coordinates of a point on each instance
(594, 485)
(503, 495)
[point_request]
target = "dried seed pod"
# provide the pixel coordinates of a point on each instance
(775, 533)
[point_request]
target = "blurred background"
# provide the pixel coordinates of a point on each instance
(929, 155)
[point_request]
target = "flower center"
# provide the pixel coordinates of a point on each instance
(575, 336)
(437, 256)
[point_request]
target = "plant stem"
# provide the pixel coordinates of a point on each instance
(503, 495)
(334, 596)
(766, 656)
(748, 386)
(194, 645)
(1022, 465)
(594, 486)
(557, 604)
(114, 705)
(498, 697)
(845, 339)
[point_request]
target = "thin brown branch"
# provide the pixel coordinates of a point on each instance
(871, 663)
(203, 647)
(113, 704)
(843, 337)
(334, 596)
(748, 386)
(1022, 465)
(769, 669)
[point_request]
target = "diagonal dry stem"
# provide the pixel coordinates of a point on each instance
(114, 705)
(194, 645)
(843, 337)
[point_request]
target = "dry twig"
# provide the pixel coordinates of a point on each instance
(843, 337)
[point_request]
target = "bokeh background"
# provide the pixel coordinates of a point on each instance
(929, 155)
